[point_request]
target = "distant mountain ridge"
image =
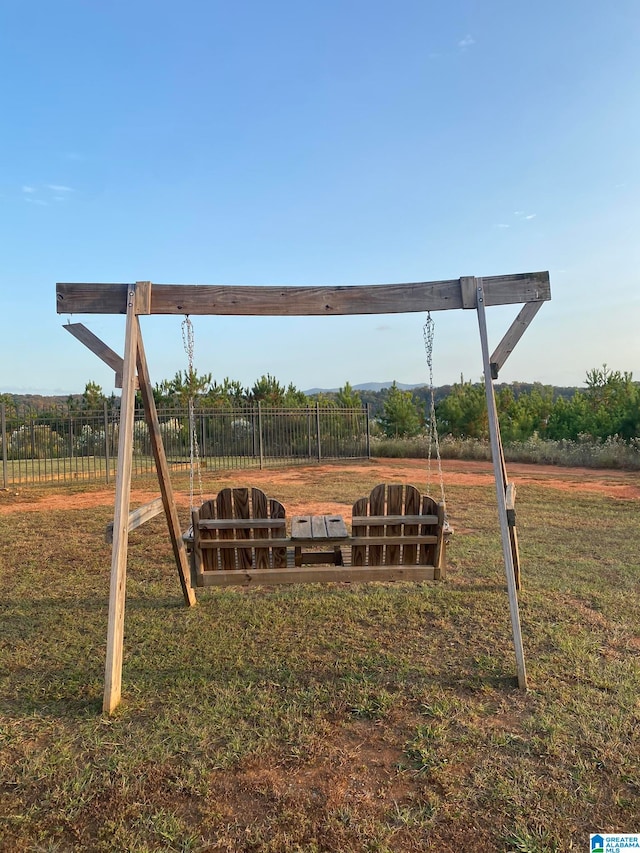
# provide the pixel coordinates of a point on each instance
(366, 386)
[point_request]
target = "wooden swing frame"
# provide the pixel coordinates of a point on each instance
(132, 372)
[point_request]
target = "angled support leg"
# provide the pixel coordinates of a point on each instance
(162, 469)
(498, 467)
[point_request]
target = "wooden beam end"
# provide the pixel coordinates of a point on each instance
(469, 291)
(143, 297)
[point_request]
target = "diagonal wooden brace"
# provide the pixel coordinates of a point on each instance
(99, 348)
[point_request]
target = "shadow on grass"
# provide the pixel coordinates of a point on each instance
(251, 640)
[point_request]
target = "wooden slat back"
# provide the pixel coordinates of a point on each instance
(224, 507)
(241, 504)
(428, 552)
(279, 555)
(260, 510)
(242, 510)
(411, 507)
(358, 552)
(210, 556)
(396, 501)
(377, 507)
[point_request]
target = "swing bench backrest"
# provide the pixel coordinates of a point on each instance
(235, 532)
(397, 526)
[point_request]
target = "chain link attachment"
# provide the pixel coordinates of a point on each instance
(194, 448)
(428, 331)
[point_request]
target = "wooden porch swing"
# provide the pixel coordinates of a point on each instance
(373, 531)
(240, 538)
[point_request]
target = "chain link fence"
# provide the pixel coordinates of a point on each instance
(62, 444)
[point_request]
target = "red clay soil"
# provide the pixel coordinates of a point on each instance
(621, 485)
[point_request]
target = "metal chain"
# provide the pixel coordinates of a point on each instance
(428, 334)
(194, 448)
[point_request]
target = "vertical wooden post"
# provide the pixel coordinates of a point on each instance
(510, 497)
(115, 630)
(497, 456)
(162, 469)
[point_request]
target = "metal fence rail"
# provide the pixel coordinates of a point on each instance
(63, 444)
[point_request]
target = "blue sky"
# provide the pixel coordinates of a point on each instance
(299, 143)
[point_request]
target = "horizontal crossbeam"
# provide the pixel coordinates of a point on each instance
(299, 301)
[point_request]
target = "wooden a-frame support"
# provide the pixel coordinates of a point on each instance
(134, 300)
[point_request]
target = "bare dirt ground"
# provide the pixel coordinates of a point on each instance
(621, 485)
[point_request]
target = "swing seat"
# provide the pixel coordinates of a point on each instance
(240, 538)
(398, 528)
(234, 535)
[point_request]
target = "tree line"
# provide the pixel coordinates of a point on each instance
(608, 405)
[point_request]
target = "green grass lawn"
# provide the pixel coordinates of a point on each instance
(376, 717)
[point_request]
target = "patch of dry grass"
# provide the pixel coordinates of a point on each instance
(341, 718)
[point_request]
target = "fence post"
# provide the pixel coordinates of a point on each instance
(107, 461)
(3, 418)
(203, 440)
(260, 444)
(318, 430)
(368, 422)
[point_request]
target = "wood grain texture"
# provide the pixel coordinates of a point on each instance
(97, 347)
(395, 500)
(396, 525)
(412, 509)
(409, 518)
(318, 574)
(197, 557)
(224, 506)
(512, 336)
(377, 506)
(242, 509)
(318, 527)
(264, 523)
(427, 552)
(227, 537)
(279, 554)
(261, 510)
(441, 543)
(143, 297)
(359, 528)
(468, 291)
(499, 476)
(87, 298)
(418, 538)
(115, 628)
(137, 517)
(210, 559)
